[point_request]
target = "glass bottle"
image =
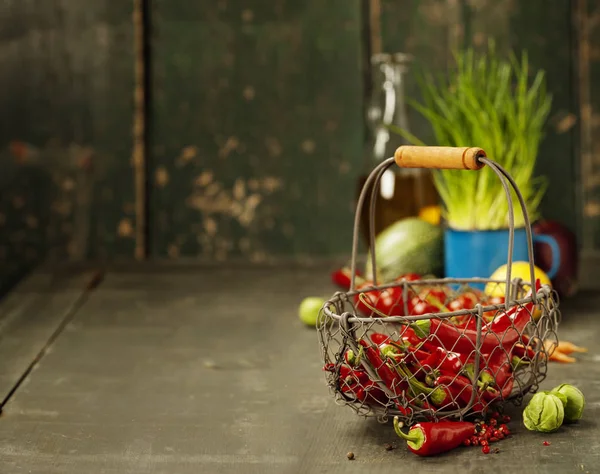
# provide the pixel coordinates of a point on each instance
(402, 192)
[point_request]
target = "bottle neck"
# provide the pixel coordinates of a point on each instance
(387, 108)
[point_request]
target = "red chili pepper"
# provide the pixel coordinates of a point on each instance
(380, 303)
(370, 393)
(495, 377)
(389, 376)
(415, 355)
(450, 361)
(421, 362)
(408, 335)
(468, 322)
(499, 364)
(350, 380)
(391, 379)
(343, 278)
(452, 338)
(462, 390)
(435, 296)
(409, 277)
(431, 438)
(379, 338)
(438, 396)
(460, 387)
(463, 301)
(511, 323)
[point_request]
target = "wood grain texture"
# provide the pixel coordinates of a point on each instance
(427, 30)
(588, 72)
(257, 127)
(30, 317)
(189, 371)
(66, 91)
(439, 157)
(550, 46)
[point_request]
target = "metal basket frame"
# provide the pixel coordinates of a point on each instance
(340, 312)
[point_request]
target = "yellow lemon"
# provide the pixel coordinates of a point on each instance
(518, 270)
(431, 214)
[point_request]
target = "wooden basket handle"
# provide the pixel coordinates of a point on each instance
(439, 157)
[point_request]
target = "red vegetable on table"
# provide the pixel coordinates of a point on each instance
(431, 438)
(510, 324)
(384, 302)
(438, 396)
(389, 377)
(461, 389)
(452, 338)
(343, 278)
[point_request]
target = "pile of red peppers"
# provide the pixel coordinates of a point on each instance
(430, 365)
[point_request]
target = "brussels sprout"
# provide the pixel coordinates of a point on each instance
(562, 396)
(575, 401)
(544, 412)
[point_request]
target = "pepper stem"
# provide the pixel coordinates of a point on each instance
(437, 303)
(350, 358)
(415, 437)
(485, 378)
(437, 395)
(421, 328)
(518, 362)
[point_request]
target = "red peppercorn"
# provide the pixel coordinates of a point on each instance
(475, 443)
(493, 439)
(467, 442)
(506, 419)
(495, 415)
(546, 443)
(485, 450)
(497, 433)
(503, 428)
(483, 442)
(493, 422)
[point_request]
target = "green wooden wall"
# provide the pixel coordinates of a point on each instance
(255, 119)
(429, 29)
(588, 76)
(66, 94)
(256, 127)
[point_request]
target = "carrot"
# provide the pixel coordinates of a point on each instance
(568, 347)
(558, 356)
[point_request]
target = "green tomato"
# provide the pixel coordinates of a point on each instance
(575, 401)
(310, 309)
(544, 412)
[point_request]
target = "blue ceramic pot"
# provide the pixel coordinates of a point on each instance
(471, 254)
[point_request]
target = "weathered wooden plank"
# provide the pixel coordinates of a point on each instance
(31, 316)
(546, 31)
(427, 30)
(588, 72)
(258, 127)
(67, 93)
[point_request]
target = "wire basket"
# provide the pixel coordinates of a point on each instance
(444, 349)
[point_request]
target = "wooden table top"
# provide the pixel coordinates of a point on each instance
(208, 370)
